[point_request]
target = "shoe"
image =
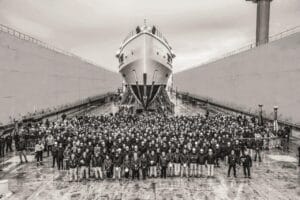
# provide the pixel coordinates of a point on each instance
(249, 177)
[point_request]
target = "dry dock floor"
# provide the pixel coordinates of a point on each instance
(277, 177)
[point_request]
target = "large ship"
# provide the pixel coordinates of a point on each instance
(145, 62)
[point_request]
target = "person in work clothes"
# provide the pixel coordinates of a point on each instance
(184, 163)
(193, 163)
(96, 164)
(210, 163)
(247, 164)
(22, 150)
(73, 164)
(8, 141)
(232, 162)
(39, 148)
(84, 166)
(163, 162)
(201, 162)
(176, 159)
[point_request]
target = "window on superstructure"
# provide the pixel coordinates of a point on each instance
(121, 58)
(169, 58)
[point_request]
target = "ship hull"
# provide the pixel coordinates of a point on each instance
(146, 68)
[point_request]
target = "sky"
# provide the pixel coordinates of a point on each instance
(197, 30)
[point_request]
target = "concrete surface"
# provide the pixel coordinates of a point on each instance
(33, 78)
(267, 75)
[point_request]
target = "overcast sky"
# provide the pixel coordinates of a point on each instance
(198, 30)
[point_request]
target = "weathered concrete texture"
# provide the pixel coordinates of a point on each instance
(267, 75)
(32, 77)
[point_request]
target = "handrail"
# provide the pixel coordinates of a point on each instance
(251, 45)
(31, 39)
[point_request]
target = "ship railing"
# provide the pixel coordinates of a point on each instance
(26, 37)
(252, 45)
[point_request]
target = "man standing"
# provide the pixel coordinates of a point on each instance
(210, 163)
(184, 163)
(60, 157)
(193, 163)
(8, 141)
(73, 164)
(163, 162)
(201, 162)
(299, 155)
(153, 164)
(2, 145)
(84, 166)
(247, 164)
(22, 149)
(54, 154)
(117, 162)
(176, 159)
(232, 161)
(96, 164)
(39, 147)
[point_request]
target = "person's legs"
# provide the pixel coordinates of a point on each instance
(24, 155)
(53, 161)
(212, 170)
(81, 172)
(245, 173)
(234, 171)
(20, 155)
(249, 173)
(208, 170)
(95, 169)
(229, 169)
(86, 169)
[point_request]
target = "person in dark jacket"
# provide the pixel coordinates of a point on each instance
(201, 162)
(210, 160)
(170, 159)
(193, 163)
(258, 147)
(22, 150)
(97, 165)
(163, 162)
(73, 164)
(8, 141)
(54, 154)
(153, 164)
(117, 162)
(232, 162)
(135, 167)
(247, 164)
(184, 158)
(299, 156)
(217, 155)
(144, 165)
(84, 164)
(107, 165)
(126, 165)
(2, 145)
(60, 157)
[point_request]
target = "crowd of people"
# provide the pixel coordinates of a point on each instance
(146, 145)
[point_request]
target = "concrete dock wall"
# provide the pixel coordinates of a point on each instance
(268, 75)
(33, 78)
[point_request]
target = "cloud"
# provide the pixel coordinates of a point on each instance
(197, 30)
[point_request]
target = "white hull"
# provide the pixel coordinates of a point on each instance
(145, 61)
